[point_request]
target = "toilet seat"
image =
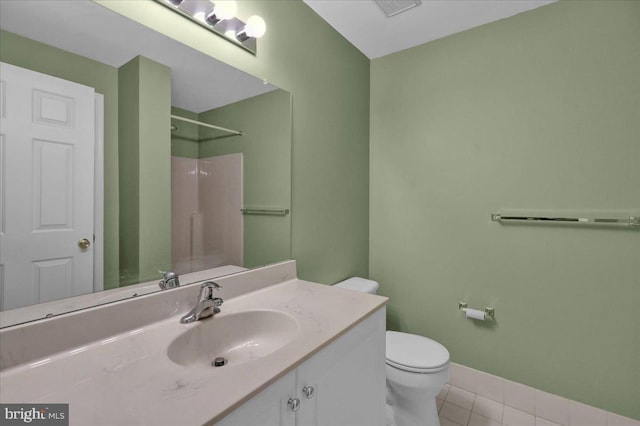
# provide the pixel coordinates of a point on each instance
(415, 354)
(417, 370)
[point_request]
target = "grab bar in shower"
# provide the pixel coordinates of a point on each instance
(633, 221)
(266, 211)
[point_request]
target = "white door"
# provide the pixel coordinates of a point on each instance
(46, 166)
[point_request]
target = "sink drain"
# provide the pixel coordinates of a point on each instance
(219, 362)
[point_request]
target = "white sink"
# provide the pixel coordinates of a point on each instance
(238, 337)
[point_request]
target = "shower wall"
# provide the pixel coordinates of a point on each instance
(206, 198)
(184, 203)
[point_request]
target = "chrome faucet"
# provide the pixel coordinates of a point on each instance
(206, 305)
(170, 280)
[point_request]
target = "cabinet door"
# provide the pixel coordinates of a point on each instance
(268, 408)
(348, 379)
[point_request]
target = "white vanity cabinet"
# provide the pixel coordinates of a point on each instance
(343, 384)
(268, 408)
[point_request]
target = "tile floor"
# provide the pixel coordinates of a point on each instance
(459, 407)
(475, 398)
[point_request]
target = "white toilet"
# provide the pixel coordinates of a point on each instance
(417, 369)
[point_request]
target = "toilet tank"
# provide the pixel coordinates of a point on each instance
(362, 285)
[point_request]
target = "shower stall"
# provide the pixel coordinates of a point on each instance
(206, 203)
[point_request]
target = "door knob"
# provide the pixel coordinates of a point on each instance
(84, 243)
(294, 404)
(308, 391)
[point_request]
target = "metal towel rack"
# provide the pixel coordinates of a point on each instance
(633, 221)
(266, 211)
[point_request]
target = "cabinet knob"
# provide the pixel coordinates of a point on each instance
(294, 404)
(308, 391)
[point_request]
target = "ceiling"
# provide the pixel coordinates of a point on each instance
(363, 23)
(198, 81)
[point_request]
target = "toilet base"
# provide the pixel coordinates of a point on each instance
(424, 414)
(412, 396)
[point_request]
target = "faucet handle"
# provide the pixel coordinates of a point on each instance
(167, 275)
(211, 284)
(206, 289)
(169, 280)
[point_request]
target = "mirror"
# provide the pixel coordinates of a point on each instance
(166, 188)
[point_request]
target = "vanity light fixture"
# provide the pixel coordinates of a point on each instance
(218, 16)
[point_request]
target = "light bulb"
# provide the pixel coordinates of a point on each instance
(230, 33)
(225, 9)
(255, 26)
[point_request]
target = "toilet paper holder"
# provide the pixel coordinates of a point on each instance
(489, 312)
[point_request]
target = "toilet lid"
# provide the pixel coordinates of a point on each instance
(415, 353)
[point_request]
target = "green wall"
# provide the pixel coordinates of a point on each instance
(265, 122)
(155, 169)
(145, 169)
(538, 111)
(26, 53)
(129, 157)
(329, 82)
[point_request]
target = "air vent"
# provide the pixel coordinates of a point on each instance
(393, 7)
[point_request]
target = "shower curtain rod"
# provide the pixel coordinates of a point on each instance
(211, 126)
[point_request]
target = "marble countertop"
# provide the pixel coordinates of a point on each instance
(127, 379)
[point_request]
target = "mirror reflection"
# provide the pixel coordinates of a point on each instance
(126, 153)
